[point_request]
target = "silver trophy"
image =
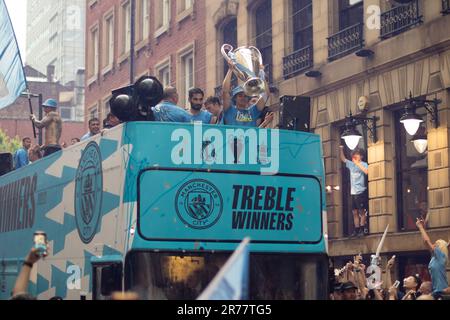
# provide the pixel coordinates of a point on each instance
(247, 65)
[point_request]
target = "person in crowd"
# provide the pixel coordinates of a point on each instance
(21, 156)
(349, 291)
(20, 291)
(411, 285)
(111, 121)
(358, 172)
(236, 105)
(213, 106)
(64, 145)
(168, 110)
(75, 141)
(35, 154)
(53, 127)
(438, 262)
(94, 129)
(196, 97)
(426, 291)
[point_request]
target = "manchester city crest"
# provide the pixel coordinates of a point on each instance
(88, 192)
(199, 204)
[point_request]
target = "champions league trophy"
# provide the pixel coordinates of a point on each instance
(247, 65)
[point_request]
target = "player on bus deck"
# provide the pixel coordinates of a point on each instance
(235, 105)
(53, 127)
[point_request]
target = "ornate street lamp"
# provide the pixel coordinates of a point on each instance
(352, 136)
(411, 120)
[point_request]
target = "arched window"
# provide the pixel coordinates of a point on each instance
(229, 36)
(263, 34)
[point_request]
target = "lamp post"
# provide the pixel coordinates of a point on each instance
(420, 140)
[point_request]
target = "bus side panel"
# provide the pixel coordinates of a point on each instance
(74, 196)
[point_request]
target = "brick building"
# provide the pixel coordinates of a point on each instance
(337, 53)
(170, 44)
(15, 120)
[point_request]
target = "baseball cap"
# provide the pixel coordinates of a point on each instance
(348, 285)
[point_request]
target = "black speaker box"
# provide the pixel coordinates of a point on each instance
(296, 113)
(6, 163)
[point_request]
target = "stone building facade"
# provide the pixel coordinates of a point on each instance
(339, 53)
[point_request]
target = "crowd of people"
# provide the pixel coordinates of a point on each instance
(352, 282)
(235, 108)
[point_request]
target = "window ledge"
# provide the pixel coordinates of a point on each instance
(124, 57)
(107, 69)
(92, 80)
(161, 31)
(141, 44)
(184, 14)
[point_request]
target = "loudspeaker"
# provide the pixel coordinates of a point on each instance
(296, 113)
(6, 163)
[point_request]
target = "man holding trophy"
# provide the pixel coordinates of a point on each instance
(246, 63)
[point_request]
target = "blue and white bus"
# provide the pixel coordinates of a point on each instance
(157, 208)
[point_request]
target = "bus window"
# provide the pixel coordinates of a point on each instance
(107, 279)
(158, 276)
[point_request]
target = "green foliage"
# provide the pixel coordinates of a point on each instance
(7, 144)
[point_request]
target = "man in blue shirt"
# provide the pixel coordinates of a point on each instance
(168, 111)
(21, 155)
(358, 172)
(214, 106)
(235, 105)
(94, 129)
(196, 97)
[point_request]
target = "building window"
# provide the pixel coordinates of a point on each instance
(351, 12)
(187, 79)
(302, 33)
(164, 74)
(184, 5)
(400, 18)
(346, 185)
(351, 30)
(412, 176)
(162, 16)
(143, 20)
(94, 52)
(66, 113)
(229, 36)
(109, 41)
(263, 36)
(93, 113)
(126, 28)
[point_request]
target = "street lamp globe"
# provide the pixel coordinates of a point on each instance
(420, 140)
(351, 137)
(421, 145)
(412, 122)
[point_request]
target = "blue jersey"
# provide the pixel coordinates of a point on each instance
(357, 177)
(21, 158)
(245, 118)
(204, 117)
(169, 112)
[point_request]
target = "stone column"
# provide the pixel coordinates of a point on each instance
(278, 41)
(322, 29)
(381, 175)
(438, 166)
(372, 8)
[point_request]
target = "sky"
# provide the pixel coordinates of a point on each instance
(18, 11)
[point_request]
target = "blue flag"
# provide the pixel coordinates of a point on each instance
(231, 283)
(12, 77)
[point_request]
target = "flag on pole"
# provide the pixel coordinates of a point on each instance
(231, 283)
(12, 77)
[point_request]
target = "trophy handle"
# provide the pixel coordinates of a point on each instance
(226, 48)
